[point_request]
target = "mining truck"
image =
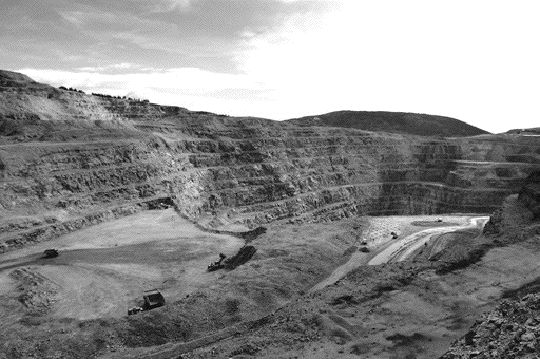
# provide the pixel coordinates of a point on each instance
(152, 299)
(50, 253)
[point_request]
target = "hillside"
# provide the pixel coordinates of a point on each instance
(136, 196)
(77, 159)
(396, 122)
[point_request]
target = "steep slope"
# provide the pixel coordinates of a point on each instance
(511, 329)
(397, 122)
(69, 159)
(530, 194)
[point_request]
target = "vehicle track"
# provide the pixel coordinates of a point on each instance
(397, 251)
(402, 249)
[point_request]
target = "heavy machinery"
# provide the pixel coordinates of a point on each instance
(152, 298)
(217, 264)
(50, 253)
(134, 310)
(243, 255)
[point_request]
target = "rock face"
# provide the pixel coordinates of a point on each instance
(530, 194)
(68, 159)
(512, 330)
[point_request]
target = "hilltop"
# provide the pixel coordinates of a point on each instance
(397, 122)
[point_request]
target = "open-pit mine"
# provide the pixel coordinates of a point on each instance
(134, 230)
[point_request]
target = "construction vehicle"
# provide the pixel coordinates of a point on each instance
(134, 310)
(152, 299)
(217, 264)
(243, 255)
(50, 253)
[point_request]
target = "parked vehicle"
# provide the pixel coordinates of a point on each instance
(50, 253)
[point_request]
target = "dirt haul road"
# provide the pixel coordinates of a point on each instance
(382, 251)
(402, 249)
(103, 269)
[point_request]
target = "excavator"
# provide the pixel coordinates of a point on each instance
(219, 264)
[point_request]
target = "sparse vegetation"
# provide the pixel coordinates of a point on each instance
(120, 97)
(71, 89)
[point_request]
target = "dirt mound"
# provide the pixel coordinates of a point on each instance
(242, 257)
(37, 292)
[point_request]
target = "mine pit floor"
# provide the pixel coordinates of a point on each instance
(103, 269)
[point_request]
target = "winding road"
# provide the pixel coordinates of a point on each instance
(396, 251)
(402, 249)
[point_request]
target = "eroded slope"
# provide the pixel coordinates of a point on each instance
(69, 159)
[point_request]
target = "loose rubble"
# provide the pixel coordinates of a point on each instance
(512, 330)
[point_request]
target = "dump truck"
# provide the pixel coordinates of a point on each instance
(50, 253)
(152, 299)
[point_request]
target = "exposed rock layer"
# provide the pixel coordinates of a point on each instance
(68, 159)
(530, 194)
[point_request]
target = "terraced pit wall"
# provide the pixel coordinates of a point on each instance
(69, 160)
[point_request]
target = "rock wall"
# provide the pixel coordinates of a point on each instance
(530, 194)
(67, 158)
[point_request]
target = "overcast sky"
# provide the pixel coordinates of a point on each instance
(476, 60)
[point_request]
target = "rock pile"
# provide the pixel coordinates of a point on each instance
(37, 292)
(512, 330)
